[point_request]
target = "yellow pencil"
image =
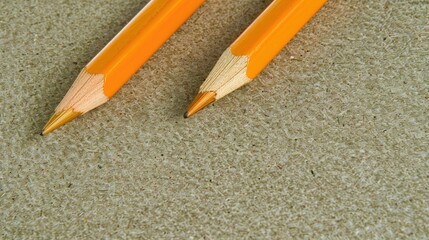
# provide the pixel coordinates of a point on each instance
(121, 58)
(255, 49)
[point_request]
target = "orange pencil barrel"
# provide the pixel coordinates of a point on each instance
(139, 40)
(272, 30)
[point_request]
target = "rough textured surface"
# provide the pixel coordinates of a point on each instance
(330, 141)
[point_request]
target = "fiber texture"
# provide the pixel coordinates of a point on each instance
(330, 141)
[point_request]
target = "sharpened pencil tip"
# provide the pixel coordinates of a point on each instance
(59, 119)
(185, 115)
(201, 101)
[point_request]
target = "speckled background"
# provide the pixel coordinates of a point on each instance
(330, 141)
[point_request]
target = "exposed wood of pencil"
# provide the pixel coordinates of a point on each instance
(122, 57)
(255, 48)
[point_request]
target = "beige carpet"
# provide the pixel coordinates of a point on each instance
(330, 141)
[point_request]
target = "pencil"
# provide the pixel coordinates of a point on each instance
(254, 49)
(104, 75)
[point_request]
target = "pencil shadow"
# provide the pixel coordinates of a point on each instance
(215, 36)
